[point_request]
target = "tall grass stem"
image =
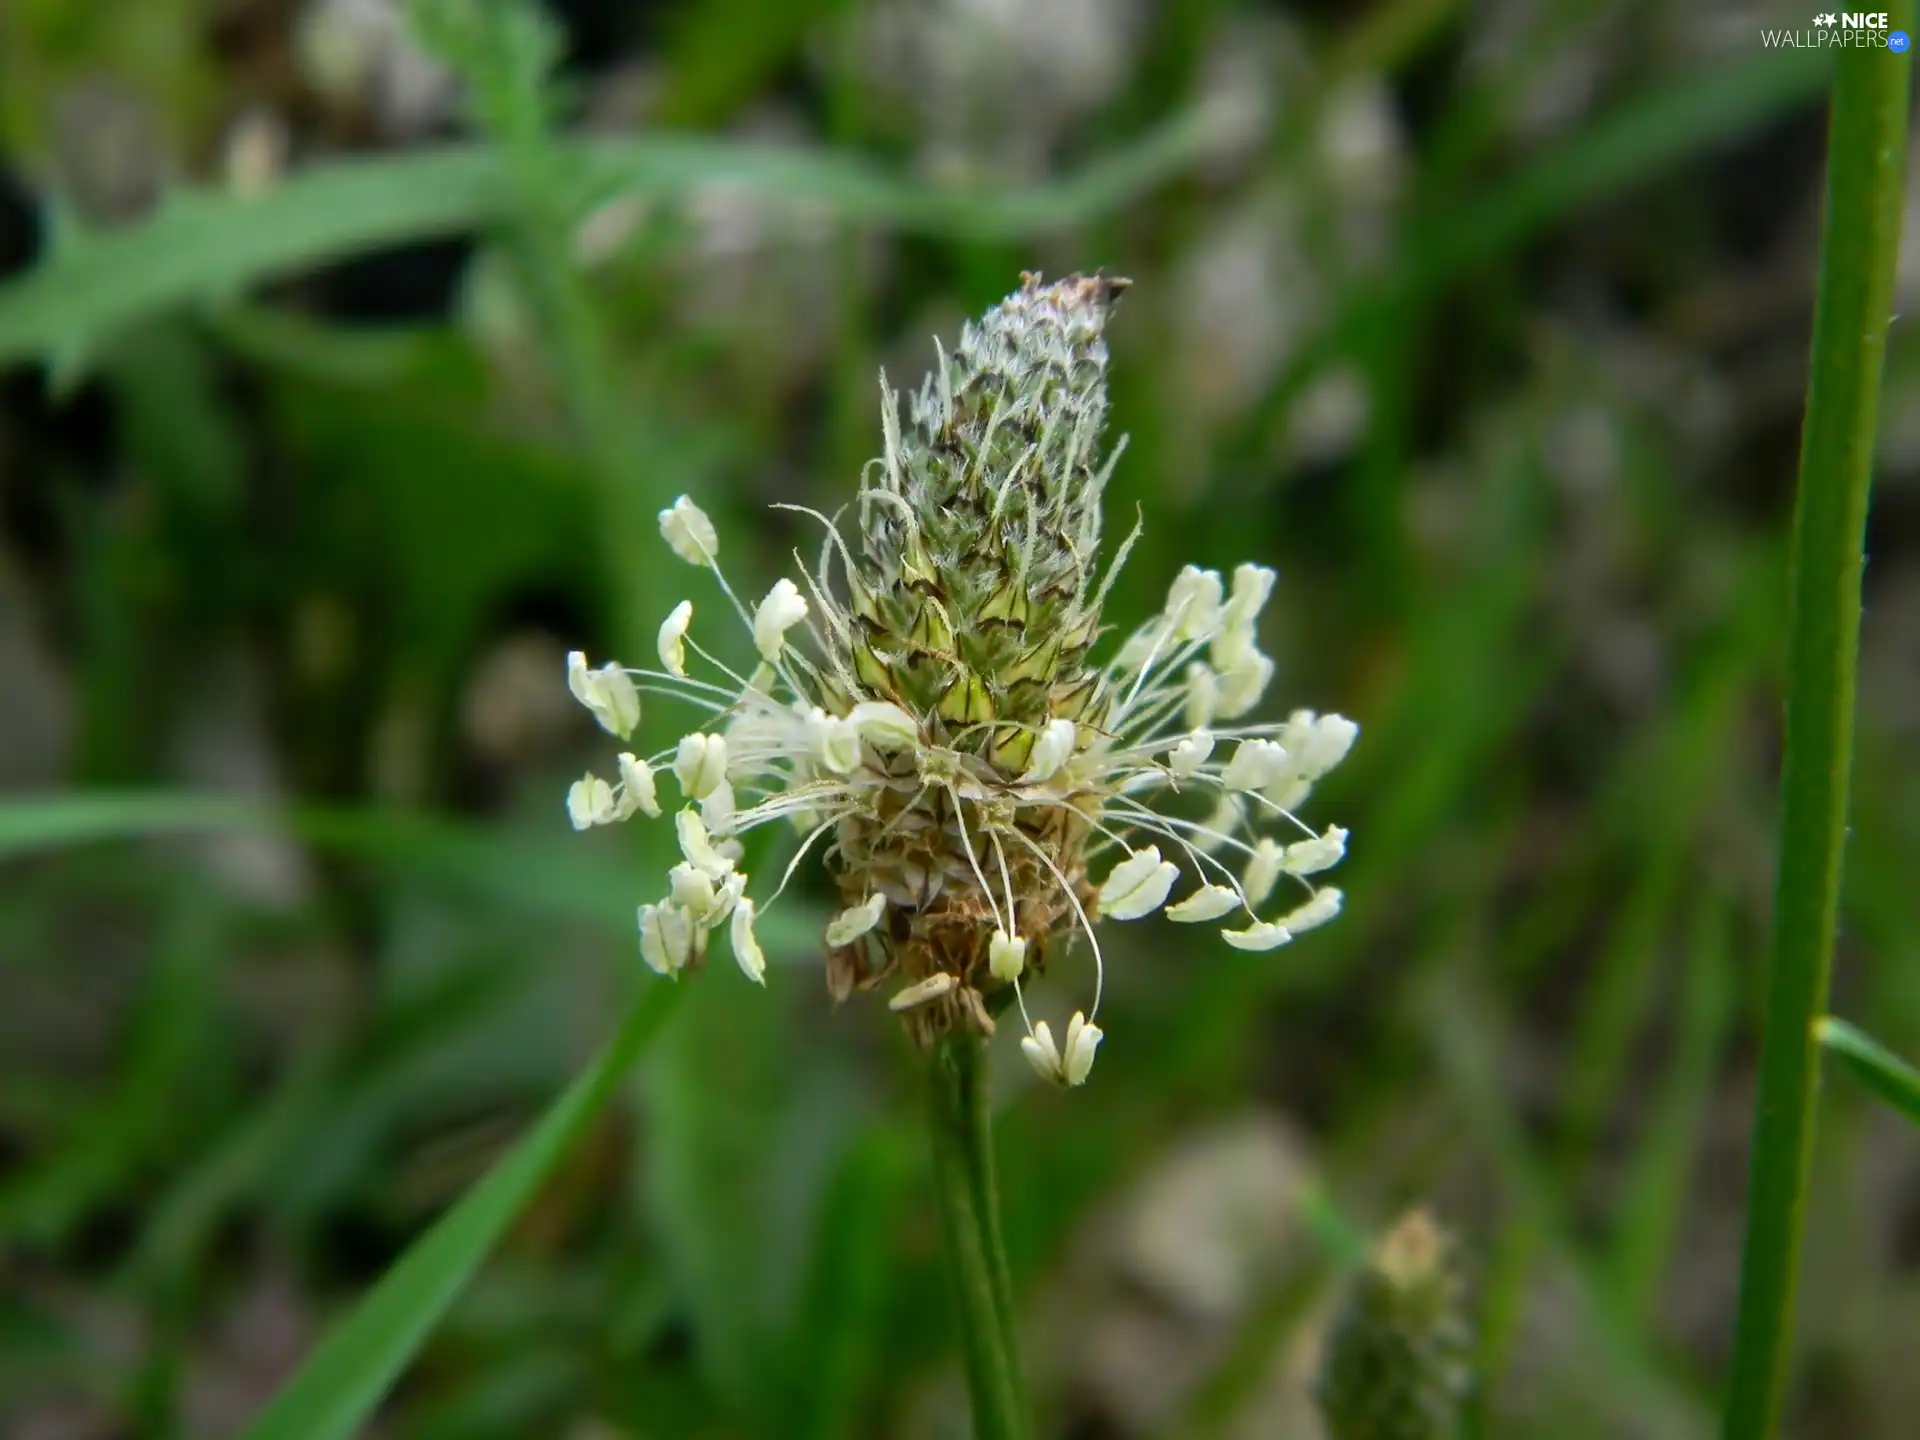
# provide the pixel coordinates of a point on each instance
(1866, 145)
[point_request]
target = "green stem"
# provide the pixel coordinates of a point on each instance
(1866, 140)
(970, 1215)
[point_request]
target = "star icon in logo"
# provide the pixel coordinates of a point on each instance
(1827, 19)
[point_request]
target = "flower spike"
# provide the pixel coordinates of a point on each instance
(935, 711)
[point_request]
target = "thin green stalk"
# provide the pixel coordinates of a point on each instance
(970, 1216)
(1866, 141)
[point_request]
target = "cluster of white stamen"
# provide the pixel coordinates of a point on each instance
(1083, 1038)
(770, 736)
(932, 722)
(1268, 772)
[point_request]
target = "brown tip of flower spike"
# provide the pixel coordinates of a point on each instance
(1098, 288)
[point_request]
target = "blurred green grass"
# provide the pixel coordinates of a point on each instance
(293, 590)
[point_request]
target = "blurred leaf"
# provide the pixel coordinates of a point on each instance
(336, 1389)
(1661, 1171)
(575, 880)
(174, 423)
(461, 522)
(1472, 1063)
(114, 1137)
(517, 1393)
(723, 53)
(1639, 137)
(205, 246)
(359, 357)
(837, 1343)
(734, 1172)
(506, 52)
(185, 1215)
(466, 1033)
(1676, 786)
(1874, 1066)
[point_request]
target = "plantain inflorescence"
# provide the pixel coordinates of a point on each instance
(1398, 1363)
(943, 735)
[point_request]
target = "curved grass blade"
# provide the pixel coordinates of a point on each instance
(1873, 1065)
(206, 245)
(335, 1391)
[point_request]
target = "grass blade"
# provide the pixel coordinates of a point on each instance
(205, 244)
(1866, 147)
(1873, 1065)
(342, 1381)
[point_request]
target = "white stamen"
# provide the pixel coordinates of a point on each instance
(1083, 1038)
(700, 763)
(833, 742)
(1203, 695)
(1209, 902)
(746, 946)
(1324, 905)
(1193, 603)
(1333, 737)
(1191, 753)
(935, 987)
(1323, 852)
(673, 639)
(1242, 684)
(783, 608)
(1050, 751)
(1043, 1054)
(1006, 956)
(716, 808)
(697, 847)
(1252, 584)
(689, 532)
(1255, 765)
(666, 938)
(637, 790)
(691, 888)
(1261, 935)
(885, 726)
(1263, 872)
(590, 802)
(608, 692)
(1138, 885)
(856, 920)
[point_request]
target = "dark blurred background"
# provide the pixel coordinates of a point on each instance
(1486, 325)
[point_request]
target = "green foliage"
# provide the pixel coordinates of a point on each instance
(1482, 328)
(336, 1389)
(204, 247)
